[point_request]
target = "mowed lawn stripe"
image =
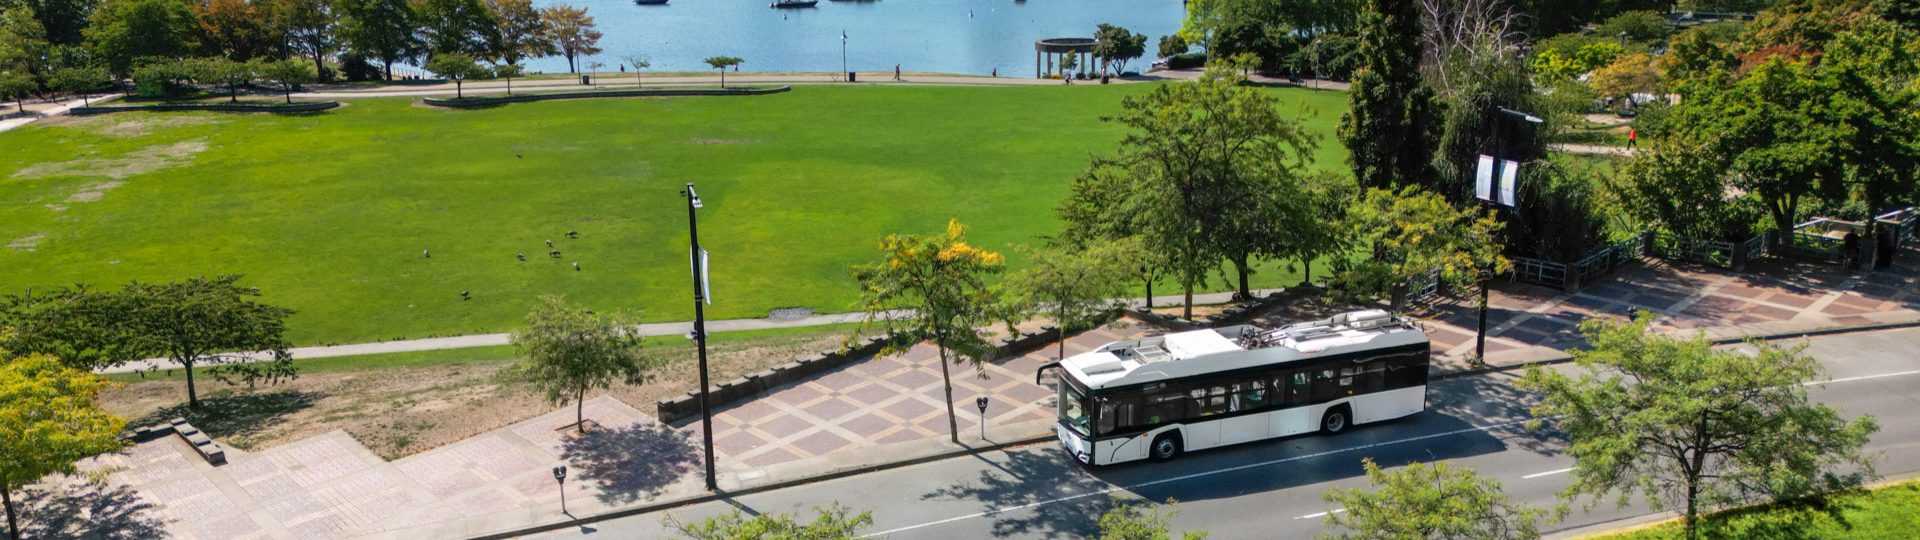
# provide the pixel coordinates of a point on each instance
(329, 213)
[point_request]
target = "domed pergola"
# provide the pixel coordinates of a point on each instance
(1051, 48)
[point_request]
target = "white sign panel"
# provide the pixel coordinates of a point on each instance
(1483, 179)
(706, 288)
(1508, 170)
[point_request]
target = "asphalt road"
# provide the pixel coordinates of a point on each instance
(1273, 489)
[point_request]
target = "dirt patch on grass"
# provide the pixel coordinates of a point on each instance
(707, 141)
(145, 160)
(26, 243)
(124, 125)
(398, 412)
(94, 191)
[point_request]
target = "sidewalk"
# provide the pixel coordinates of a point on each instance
(52, 108)
(652, 329)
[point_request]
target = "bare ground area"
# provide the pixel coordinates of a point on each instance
(401, 411)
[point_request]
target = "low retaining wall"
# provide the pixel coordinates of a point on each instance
(761, 382)
(468, 103)
(201, 443)
(1230, 316)
(312, 106)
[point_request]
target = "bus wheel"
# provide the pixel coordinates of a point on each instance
(1336, 420)
(1165, 447)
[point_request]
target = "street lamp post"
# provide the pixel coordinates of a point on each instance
(843, 57)
(700, 328)
(1480, 337)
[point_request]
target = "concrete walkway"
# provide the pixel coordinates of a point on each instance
(653, 329)
(50, 108)
(1592, 149)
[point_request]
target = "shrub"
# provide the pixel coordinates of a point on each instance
(1186, 61)
(1558, 218)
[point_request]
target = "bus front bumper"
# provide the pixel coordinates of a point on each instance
(1080, 448)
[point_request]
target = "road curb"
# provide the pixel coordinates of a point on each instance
(710, 497)
(1563, 357)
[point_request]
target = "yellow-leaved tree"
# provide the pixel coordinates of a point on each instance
(934, 289)
(49, 417)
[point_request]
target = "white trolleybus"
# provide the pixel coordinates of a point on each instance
(1155, 397)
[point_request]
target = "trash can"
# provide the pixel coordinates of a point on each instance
(584, 80)
(1103, 79)
(850, 76)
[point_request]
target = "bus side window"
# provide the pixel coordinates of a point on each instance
(1127, 412)
(1104, 418)
(1408, 371)
(1326, 385)
(1253, 396)
(1376, 376)
(1166, 407)
(1210, 400)
(1300, 388)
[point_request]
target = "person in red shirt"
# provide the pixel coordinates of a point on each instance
(1633, 137)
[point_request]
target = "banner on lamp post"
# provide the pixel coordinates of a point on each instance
(706, 290)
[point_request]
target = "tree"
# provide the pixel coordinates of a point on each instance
(1172, 45)
(1422, 501)
(1663, 417)
(78, 81)
(519, 34)
(62, 20)
(573, 32)
(1781, 137)
(1412, 234)
(508, 71)
(49, 418)
(1078, 287)
(942, 281)
(239, 30)
(722, 63)
(1068, 63)
(17, 87)
(83, 328)
(1642, 26)
(210, 322)
(288, 73)
(1127, 521)
(1393, 127)
(380, 29)
(227, 73)
(126, 29)
(1626, 76)
(312, 29)
(456, 67)
(456, 27)
(568, 350)
(1116, 47)
(23, 42)
(833, 523)
(639, 62)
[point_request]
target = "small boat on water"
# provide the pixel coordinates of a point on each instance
(792, 4)
(650, 2)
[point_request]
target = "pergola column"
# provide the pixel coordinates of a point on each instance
(1036, 63)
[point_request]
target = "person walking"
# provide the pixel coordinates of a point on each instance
(896, 72)
(1633, 137)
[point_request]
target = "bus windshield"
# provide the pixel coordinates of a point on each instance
(1073, 409)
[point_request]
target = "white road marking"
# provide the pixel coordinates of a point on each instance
(1271, 462)
(1548, 473)
(1322, 514)
(1864, 377)
(1193, 476)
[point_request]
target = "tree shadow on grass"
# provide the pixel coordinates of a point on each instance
(75, 508)
(236, 417)
(632, 463)
(1806, 519)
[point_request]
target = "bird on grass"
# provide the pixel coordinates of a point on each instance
(555, 254)
(573, 234)
(549, 243)
(576, 267)
(427, 254)
(464, 296)
(521, 256)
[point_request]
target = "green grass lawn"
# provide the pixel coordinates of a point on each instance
(329, 213)
(1883, 514)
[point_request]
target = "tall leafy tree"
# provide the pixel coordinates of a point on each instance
(573, 33)
(1133, 520)
(568, 350)
(63, 20)
(457, 67)
(84, 328)
(520, 33)
(1421, 501)
(287, 73)
(211, 322)
(1677, 421)
(1411, 234)
(123, 30)
(942, 282)
(78, 81)
(1780, 135)
(1076, 286)
(23, 43)
(1117, 46)
(49, 417)
(1393, 127)
(1100, 208)
(312, 30)
(835, 522)
(456, 26)
(380, 29)
(227, 73)
(240, 30)
(1198, 164)
(722, 63)
(17, 87)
